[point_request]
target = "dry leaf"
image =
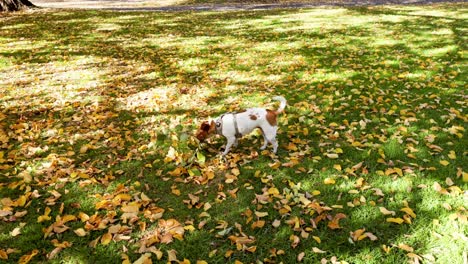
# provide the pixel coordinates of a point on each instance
(317, 250)
(405, 247)
(384, 211)
(395, 220)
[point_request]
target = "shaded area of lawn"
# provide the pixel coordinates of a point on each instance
(99, 109)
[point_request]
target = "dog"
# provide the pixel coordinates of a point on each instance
(235, 125)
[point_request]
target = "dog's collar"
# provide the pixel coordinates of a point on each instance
(219, 124)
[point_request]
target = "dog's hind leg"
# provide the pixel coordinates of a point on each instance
(275, 144)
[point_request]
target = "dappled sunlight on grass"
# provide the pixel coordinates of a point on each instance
(53, 84)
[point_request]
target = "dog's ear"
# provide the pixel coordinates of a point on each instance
(212, 127)
(205, 126)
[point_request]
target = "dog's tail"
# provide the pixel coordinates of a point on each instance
(282, 101)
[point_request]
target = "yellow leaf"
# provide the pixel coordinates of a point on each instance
(130, 208)
(15, 232)
(45, 216)
(144, 259)
(395, 220)
(106, 238)
(386, 248)
(358, 234)
(315, 192)
(121, 197)
(68, 218)
(235, 171)
(361, 237)
(261, 214)
(276, 223)
(3, 254)
(273, 191)
(83, 217)
(405, 247)
(26, 258)
(407, 219)
(449, 182)
(125, 259)
(172, 255)
(83, 149)
(317, 250)
(300, 256)
(444, 162)
(332, 155)
(176, 191)
(452, 155)
(337, 167)
(275, 165)
(316, 238)
(399, 171)
(335, 222)
(228, 253)
(329, 181)
(409, 211)
(416, 258)
(384, 211)
(291, 146)
(258, 224)
(80, 232)
(295, 241)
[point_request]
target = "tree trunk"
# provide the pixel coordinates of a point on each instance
(14, 5)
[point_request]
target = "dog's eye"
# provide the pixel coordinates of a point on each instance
(218, 124)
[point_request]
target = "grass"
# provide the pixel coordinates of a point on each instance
(99, 108)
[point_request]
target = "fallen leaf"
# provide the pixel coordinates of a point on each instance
(300, 256)
(384, 211)
(317, 250)
(329, 181)
(395, 220)
(276, 223)
(295, 241)
(334, 223)
(15, 232)
(444, 162)
(405, 247)
(317, 239)
(144, 259)
(172, 256)
(106, 238)
(409, 211)
(26, 258)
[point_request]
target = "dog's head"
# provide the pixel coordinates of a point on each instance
(206, 129)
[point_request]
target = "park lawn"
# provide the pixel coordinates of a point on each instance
(99, 163)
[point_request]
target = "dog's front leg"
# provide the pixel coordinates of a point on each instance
(230, 142)
(265, 141)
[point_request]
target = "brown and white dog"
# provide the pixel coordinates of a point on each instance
(234, 125)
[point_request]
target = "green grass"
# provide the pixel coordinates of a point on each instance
(99, 109)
